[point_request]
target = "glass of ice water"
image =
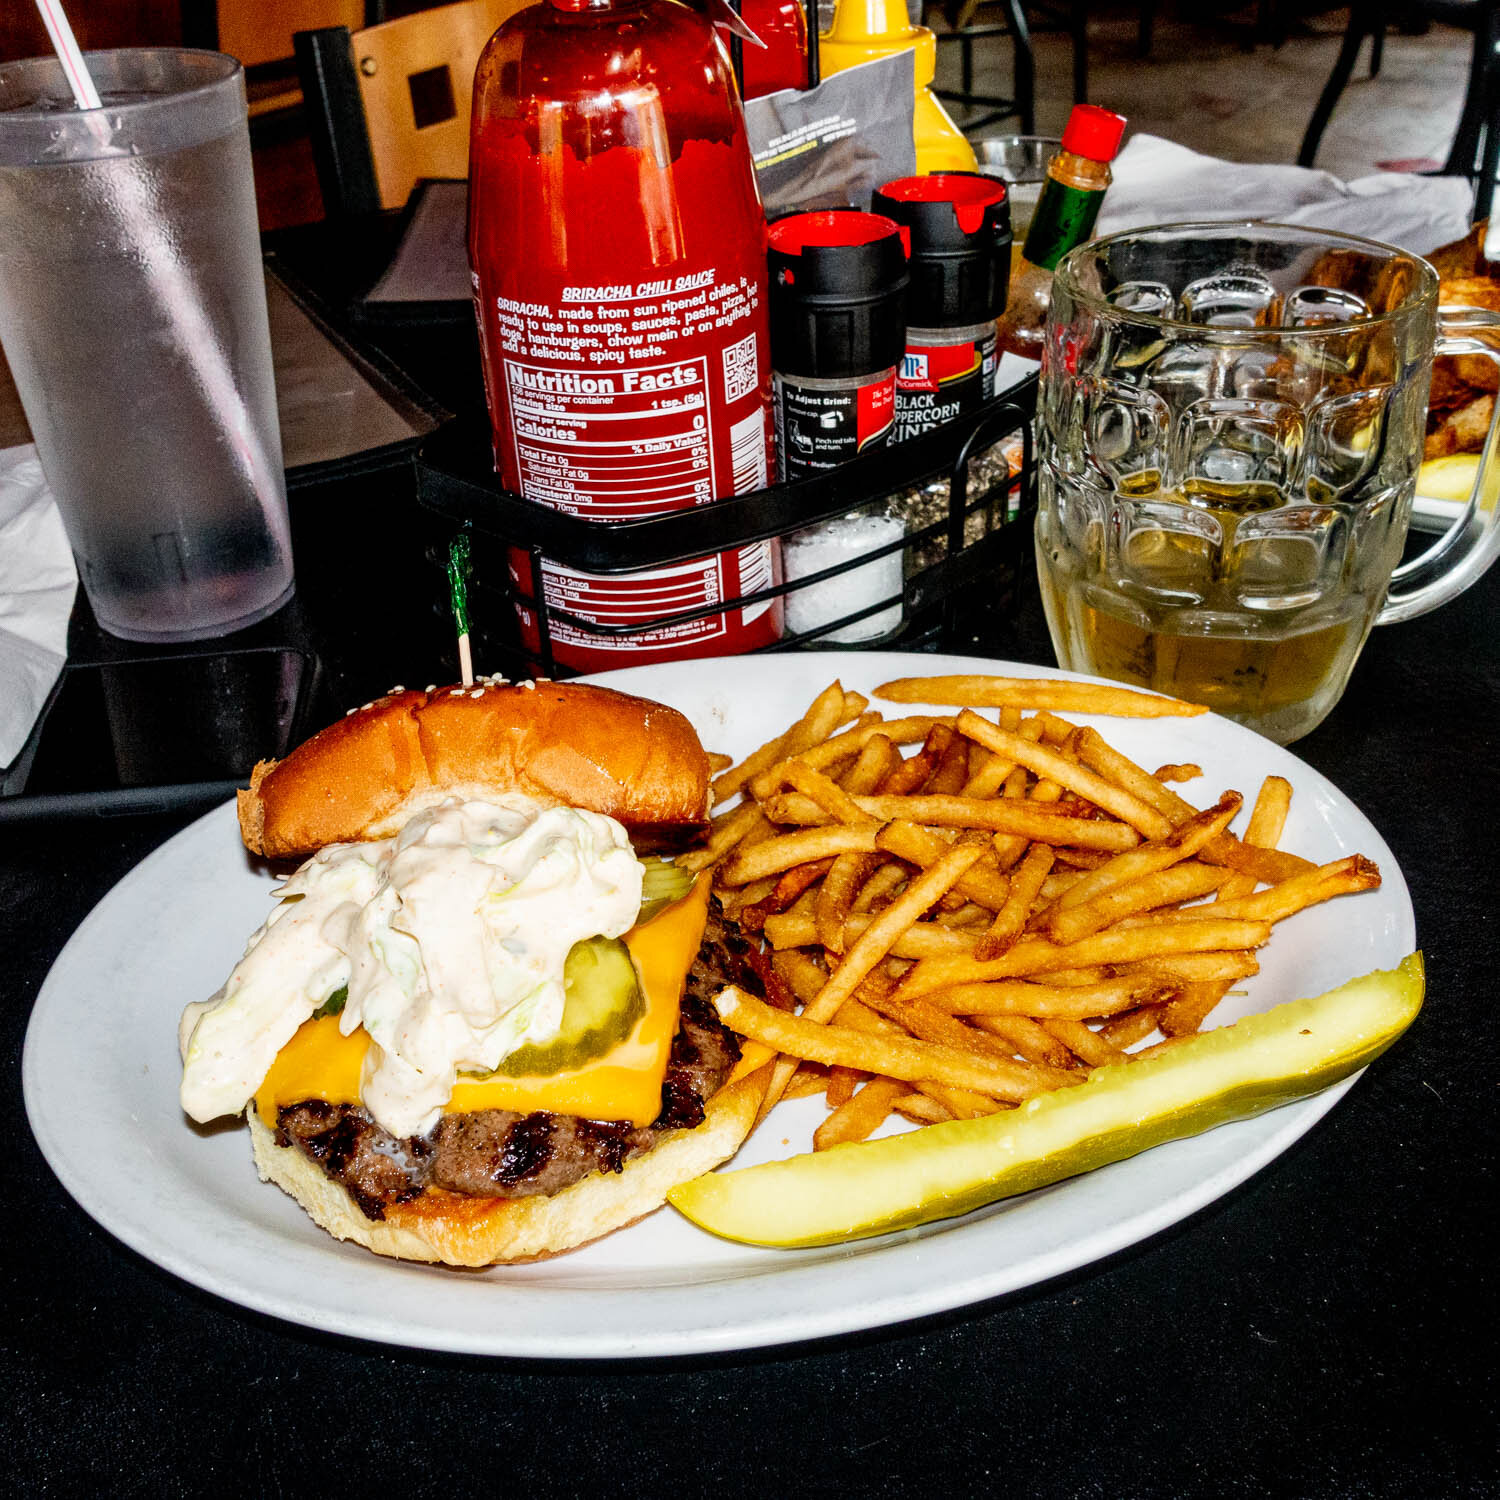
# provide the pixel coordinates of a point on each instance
(133, 317)
(1231, 419)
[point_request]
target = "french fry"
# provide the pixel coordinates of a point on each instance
(1163, 888)
(804, 975)
(930, 1024)
(920, 940)
(879, 887)
(723, 837)
(982, 882)
(1135, 1026)
(1022, 997)
(912, 774)
(1194, 968)
(1025, 818)
(1267, 820)
(836, 896)
(880, 935)
(1181, 843)
(841, 1085)
(952, 771)
(783, 893)
(858, 1118)
(809, 1079)
(828, 794)
(891, 1057)
(1010, 919)
(877, 758)
(922, 1110)
(1268, 865)
(1036, 693)
(1189, 1008)
(822, 717)
(1031, 1040)
(1067, 773)
(1173, 772)
(1035, 956)
(1055, 731)
(747, 897)
(841, 747)
(1342, 877)
(788, 849)
(1085, 1044)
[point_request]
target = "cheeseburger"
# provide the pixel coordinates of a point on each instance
(476, 1026)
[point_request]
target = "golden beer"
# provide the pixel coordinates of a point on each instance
(1229, 426)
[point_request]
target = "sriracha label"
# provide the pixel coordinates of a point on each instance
(621, 301)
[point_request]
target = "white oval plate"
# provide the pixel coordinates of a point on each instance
(100, 1075)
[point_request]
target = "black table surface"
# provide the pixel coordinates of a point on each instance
(1325, 1329)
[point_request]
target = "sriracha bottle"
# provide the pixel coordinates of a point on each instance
(782, 62)
(618, 250)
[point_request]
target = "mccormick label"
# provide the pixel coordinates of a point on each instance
(938, 382)
(818, 428)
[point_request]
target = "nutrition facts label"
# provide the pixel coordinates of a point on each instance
(659, 594)
(619, 443)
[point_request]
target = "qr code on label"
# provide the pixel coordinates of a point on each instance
(741, 373)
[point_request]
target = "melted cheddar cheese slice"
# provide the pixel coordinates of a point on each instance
(623, 1084)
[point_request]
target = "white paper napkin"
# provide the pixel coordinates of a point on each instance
(1160, 182)
(37, 584)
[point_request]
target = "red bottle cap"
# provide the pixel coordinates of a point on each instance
(1093, 132)
(968, 192)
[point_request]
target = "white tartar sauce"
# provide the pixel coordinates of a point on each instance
(451, 938)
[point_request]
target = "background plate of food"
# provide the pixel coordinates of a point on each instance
(1462, 403)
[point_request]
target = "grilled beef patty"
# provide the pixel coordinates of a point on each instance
(496, 1153)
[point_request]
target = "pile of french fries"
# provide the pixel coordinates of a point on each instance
(992, 915)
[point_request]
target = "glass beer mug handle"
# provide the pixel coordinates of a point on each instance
(1472, 543)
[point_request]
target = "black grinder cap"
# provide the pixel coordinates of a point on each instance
(838, 294)
(958, 226)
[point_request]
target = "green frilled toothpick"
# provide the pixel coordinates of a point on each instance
(460, 565)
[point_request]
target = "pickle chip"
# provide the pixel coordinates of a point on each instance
(873, 1187)
(603, 1001)
(663, 884)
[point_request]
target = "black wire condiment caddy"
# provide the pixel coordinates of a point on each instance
(961, 568)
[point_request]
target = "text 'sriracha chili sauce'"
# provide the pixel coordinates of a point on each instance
(618, 244)
(838, 329)
(957, 228)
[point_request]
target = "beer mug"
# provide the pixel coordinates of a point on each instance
(1230, 423)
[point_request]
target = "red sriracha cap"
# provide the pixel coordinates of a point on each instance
(1093, 132)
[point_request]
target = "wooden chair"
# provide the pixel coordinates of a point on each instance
(389, 105)
(259, 34)
(1475, 152)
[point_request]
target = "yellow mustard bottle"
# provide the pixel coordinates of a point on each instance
(863, 30)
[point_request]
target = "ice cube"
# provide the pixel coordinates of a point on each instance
(1237, 297)
(1154, 298)
(1323, 306)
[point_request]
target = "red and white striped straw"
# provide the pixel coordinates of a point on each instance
(65, 44)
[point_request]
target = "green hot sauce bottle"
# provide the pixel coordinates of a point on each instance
(1065, 215)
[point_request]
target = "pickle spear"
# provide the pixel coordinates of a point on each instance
(873, 1187)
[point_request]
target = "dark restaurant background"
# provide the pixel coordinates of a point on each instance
(1212, 80)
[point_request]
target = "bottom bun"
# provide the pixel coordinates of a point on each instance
(462, 1231)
